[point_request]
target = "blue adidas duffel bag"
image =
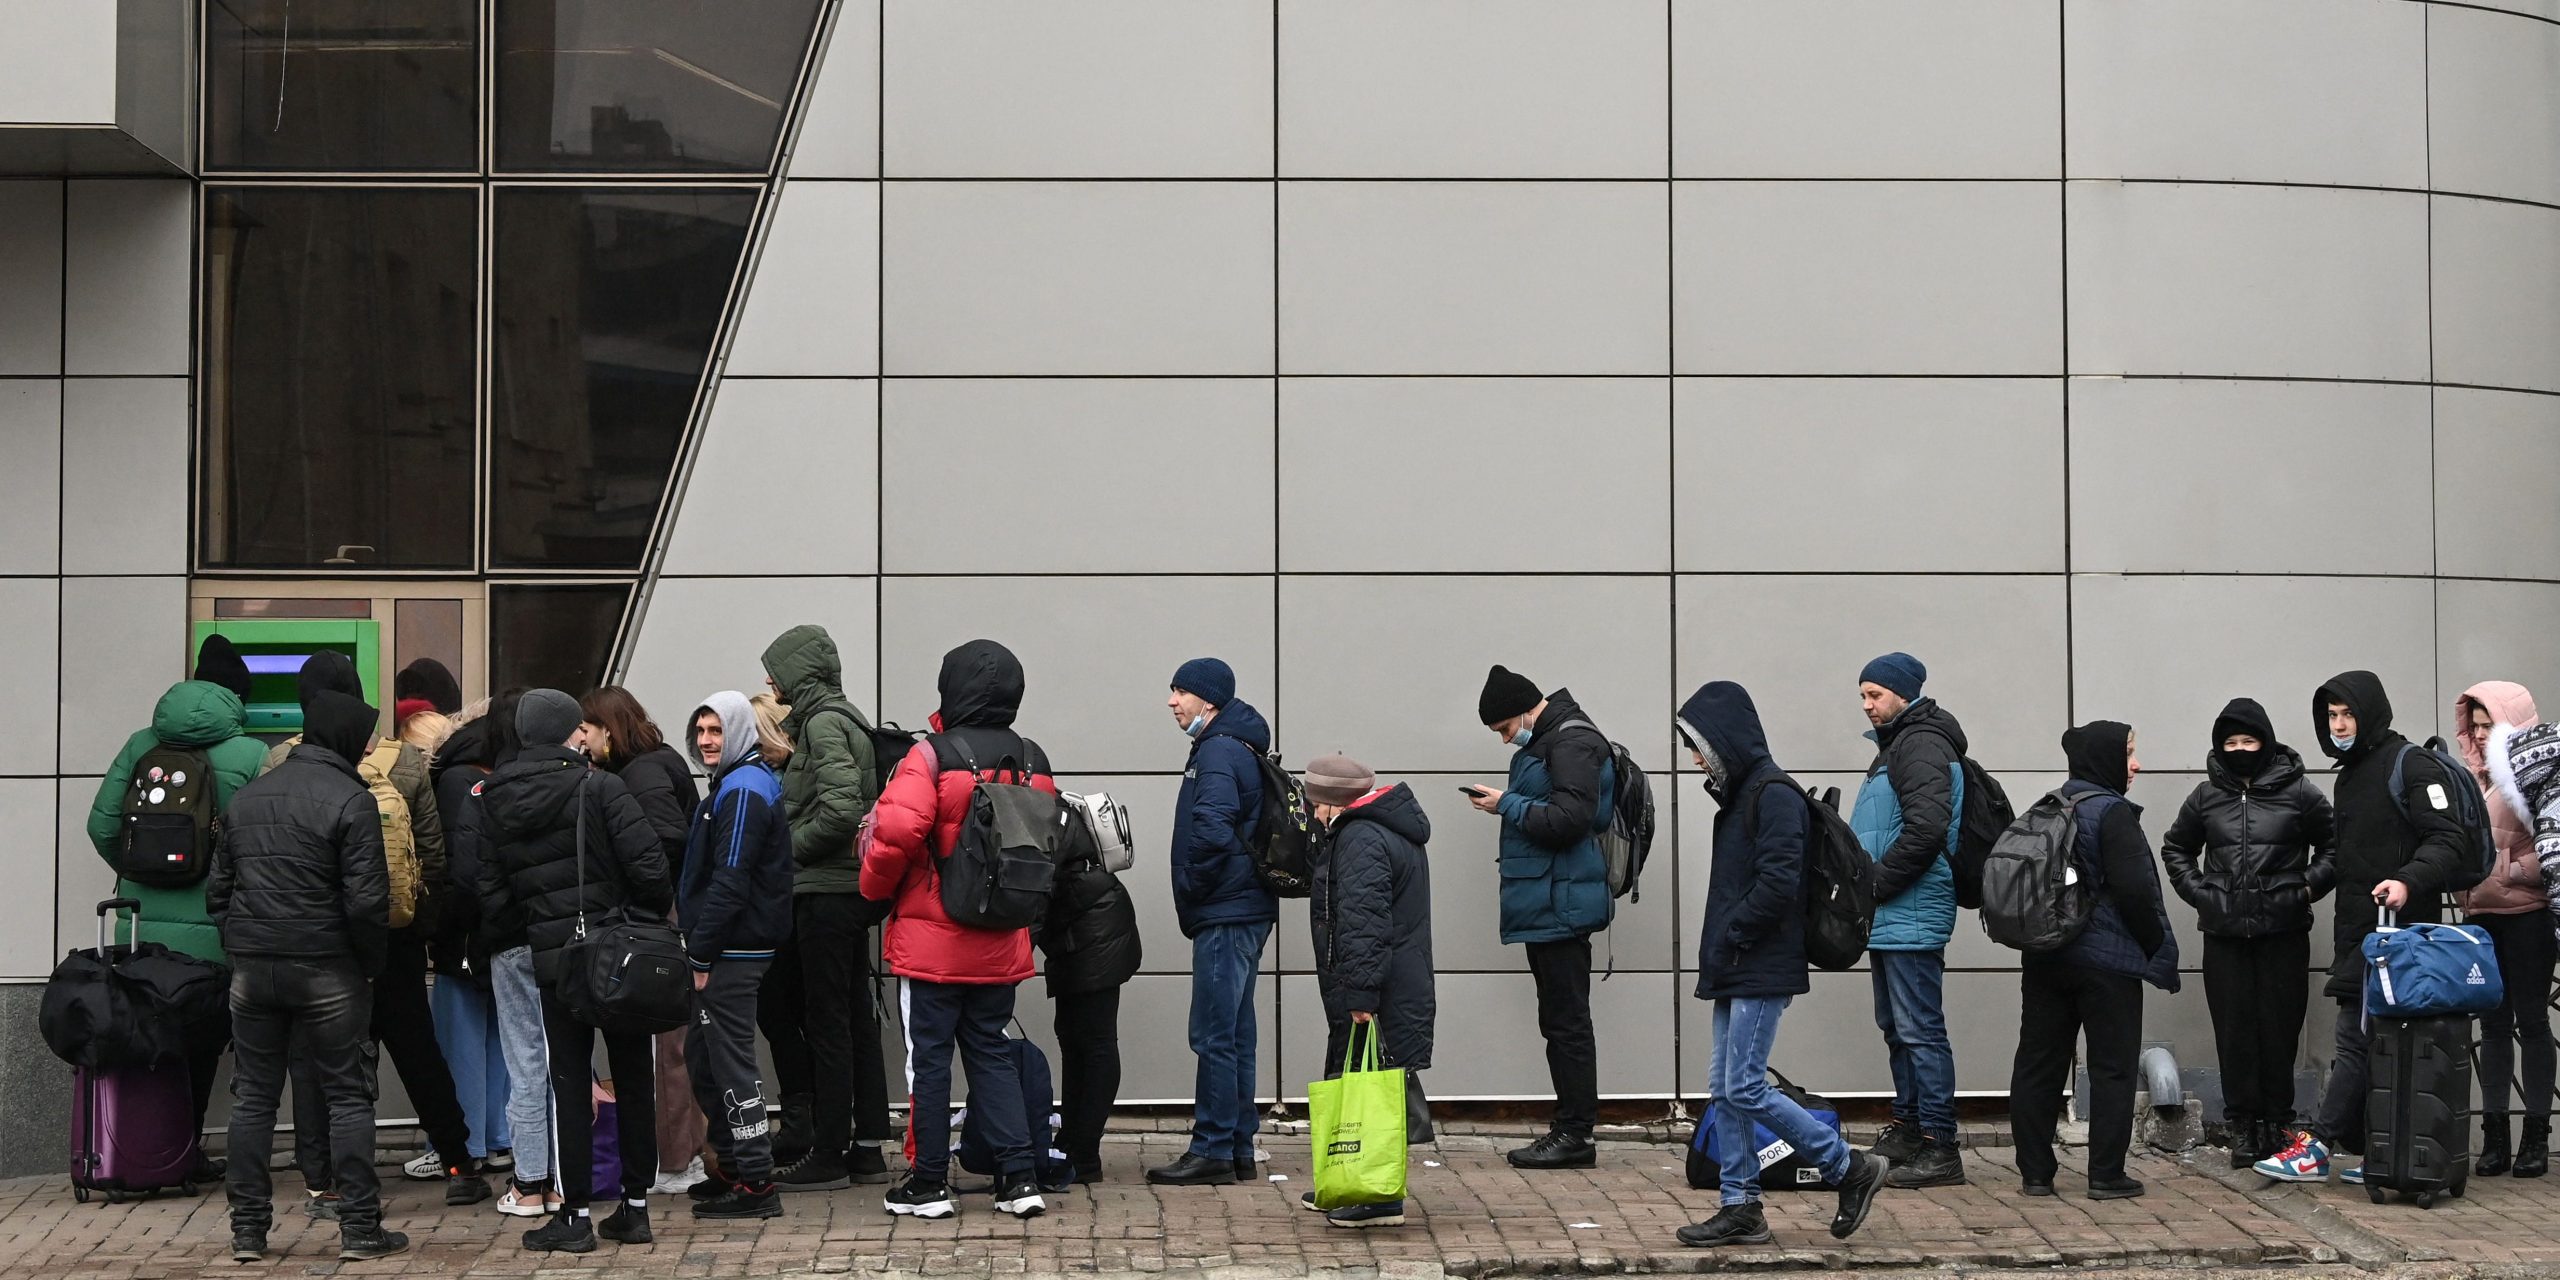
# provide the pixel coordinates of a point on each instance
(2430, 971)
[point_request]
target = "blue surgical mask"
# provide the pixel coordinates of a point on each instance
(1198, 723)
(2342, 744)
(1520, 737)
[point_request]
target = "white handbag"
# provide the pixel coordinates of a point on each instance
(1108, 820)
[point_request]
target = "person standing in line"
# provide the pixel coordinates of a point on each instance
(304, 905)
(2513, 907)
(1555, 888)
(2093, 983)
(431, 682)
(1225, 910)
(2251, 851)
(1909, 813)
(514, 995)
(620, 737)
(1090, 936)
(466, 1011)
(1751, 965)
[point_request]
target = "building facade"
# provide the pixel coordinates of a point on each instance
(2116, 357)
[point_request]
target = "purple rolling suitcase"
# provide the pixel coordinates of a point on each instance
(132, 1128)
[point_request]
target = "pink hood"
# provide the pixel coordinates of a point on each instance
(2516, 884)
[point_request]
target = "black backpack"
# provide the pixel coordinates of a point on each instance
(121, 1005)
(1987, 813)
(889, 743)
(1628, 840)
(165, 836)
(1003, 866)
(2033, 895)
(2463, 801)
(1839, 885)
(1285, 836)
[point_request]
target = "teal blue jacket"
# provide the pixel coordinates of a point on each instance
(1908, 815)
(1555, 880)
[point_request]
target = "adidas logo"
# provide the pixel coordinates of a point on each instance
(2476, 979)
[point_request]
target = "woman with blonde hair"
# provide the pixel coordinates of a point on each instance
(770, 739)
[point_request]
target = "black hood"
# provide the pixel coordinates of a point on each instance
(475, 743)
(532, 793)
(340, 723)
(219, 662)
(2244, 715)
(1395, 809)
(2362, 693)
(2096, 752)
(326, 670)
(1721, 714)
(981, 686)
(429, 679)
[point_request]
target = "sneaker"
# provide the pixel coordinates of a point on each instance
(499, 1161)
(1021, 1198)
(917, 1198)
(1898, 1142)
(1939, 1163)
(1556, 1150)
(1307, 1201)
(207, 1171)
(2118, 1187)
(1356, 1216)
(712, 1187)
(628, 1225)
(2306, 1159)
(566, 1233)
(815, 1172)
(426, 1168)
(321, 1205)
(2352, 1177)
(1733, 1224)
(1858, 1193)
(248, 1244)
(521, 1201)
(464, 1188)
(741, 1201)
(866, 1165)
(680, 1181)
(357, 1244)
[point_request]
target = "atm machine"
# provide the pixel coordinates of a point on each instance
(276, 648)
(379, 625)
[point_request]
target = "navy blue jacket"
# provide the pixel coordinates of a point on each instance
(733, 897)
(1752, 944)
(1221, 803)
(2128, 932)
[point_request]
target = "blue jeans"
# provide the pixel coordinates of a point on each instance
(1746, 1029)
(1223, 960)
(467, 1030)
(1911, 1010)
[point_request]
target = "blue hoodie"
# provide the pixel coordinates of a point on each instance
(1214, 819)
(733, 895)
(1752, 942)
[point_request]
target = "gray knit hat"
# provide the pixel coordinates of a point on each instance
(546, 718)
(1338, 780)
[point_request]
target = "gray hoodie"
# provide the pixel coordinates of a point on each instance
(737, 729)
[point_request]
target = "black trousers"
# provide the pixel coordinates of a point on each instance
(720, 1057)
(2340, 1122)
(2520, 1027)
(2258, 990)
(1088, 1029)
(406, 1030)
(633, 1061)
(1562, 971)
(319, 1009)
(849, 1085)
(779, 1004)
(2057, 1005)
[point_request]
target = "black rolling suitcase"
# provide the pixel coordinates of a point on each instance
(2418, 1108)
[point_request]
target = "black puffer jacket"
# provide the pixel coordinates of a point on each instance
(2375, 842)
(2252, 854)
(1370, 914)
(662, 783)
(463, 943)
(530, 880)
(300, 874)
(1090, 934)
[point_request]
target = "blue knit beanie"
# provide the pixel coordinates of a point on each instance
(1899, 672)
(1207, 679)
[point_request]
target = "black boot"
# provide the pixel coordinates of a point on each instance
(792, 1137)
(2244, 1137)
(2534, 1159)
(2495, 1157)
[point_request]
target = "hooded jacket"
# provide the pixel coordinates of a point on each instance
(662, 785)
(1908, 815)
(2128, 932)
(919, 818)
(1751, 945)
(1555, 880)
(1369, 913)
(197, 715)
(2514, 886)
(1090, 931)
(1214, 817)
(2252, 854)
(406, 768)
(734, 890)
(834, 774)
(464, 943)
(2376, 842)
(530, 882)
(300, 874)
(2525, 765)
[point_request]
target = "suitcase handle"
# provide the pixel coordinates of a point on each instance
(106, 920)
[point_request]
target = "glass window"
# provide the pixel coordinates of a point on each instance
(643, 86)
(342, 85)
(339, 390)
(606, 303)
(544, 637)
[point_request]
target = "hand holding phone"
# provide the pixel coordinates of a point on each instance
(1471, 792)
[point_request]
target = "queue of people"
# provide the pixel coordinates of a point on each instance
(786, 825)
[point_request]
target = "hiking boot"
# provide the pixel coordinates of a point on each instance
(1021, 1198)
(2496, 1156)
(248, 1244)
(628, 1225)
(1938, 1164)
(815, 1172)
(566, 1233)
(1858, 1193)
(2305, 1159)
(741, 1201)
(2118, 1187)
(917, 1198)
(1557, 1149)
(2533, 1159)
(357, 1244)
(1733, 1224)
(1194, 1170)
(1355, 1216)
(1898, 1142)
(464, 1188)
(866, 1165)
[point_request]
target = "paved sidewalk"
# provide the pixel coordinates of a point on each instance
(1472, 1215)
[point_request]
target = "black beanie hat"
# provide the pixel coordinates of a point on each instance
(217, 662)
(431, 680)
(1507, 693)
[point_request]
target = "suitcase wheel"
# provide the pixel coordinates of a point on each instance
(2427, 1199)
(79, 1193)
(2375, 1194)
(115, 1197)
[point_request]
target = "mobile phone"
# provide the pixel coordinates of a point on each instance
(1472, 793)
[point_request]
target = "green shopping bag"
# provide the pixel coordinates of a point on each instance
(1358, 1124)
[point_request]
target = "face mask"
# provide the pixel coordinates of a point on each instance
(2245, 763)
(1197, 724)
(2342, 744)
(1520, 738)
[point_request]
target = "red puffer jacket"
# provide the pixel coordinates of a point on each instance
(913, 826)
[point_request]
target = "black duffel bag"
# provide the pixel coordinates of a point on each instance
(137, 1005)
(626, 970)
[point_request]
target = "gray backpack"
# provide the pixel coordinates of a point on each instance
(2033, 895)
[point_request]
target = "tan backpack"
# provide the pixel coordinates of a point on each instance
(399, 840)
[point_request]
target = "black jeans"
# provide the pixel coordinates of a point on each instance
(2340, 1122)
(2525, 953)
(1088, 1029)
(2258, 990)
(720, 1056)
(205, 1043)
(407, 1031)
(1563, 974)
(2057, 1004)
(633, 1060)
(780, 1005)
(322, 1008)
(849, 1085)
(941, 1015)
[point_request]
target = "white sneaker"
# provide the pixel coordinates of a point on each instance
(426, 1168)
(681, 1181)
(518, 1203)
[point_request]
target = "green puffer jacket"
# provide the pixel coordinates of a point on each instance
(834, 775)
(204, 717)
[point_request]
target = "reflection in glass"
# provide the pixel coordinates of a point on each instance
(342, 85)
(543, 637)
(644, 86)
(606, 304)
(338, 344)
